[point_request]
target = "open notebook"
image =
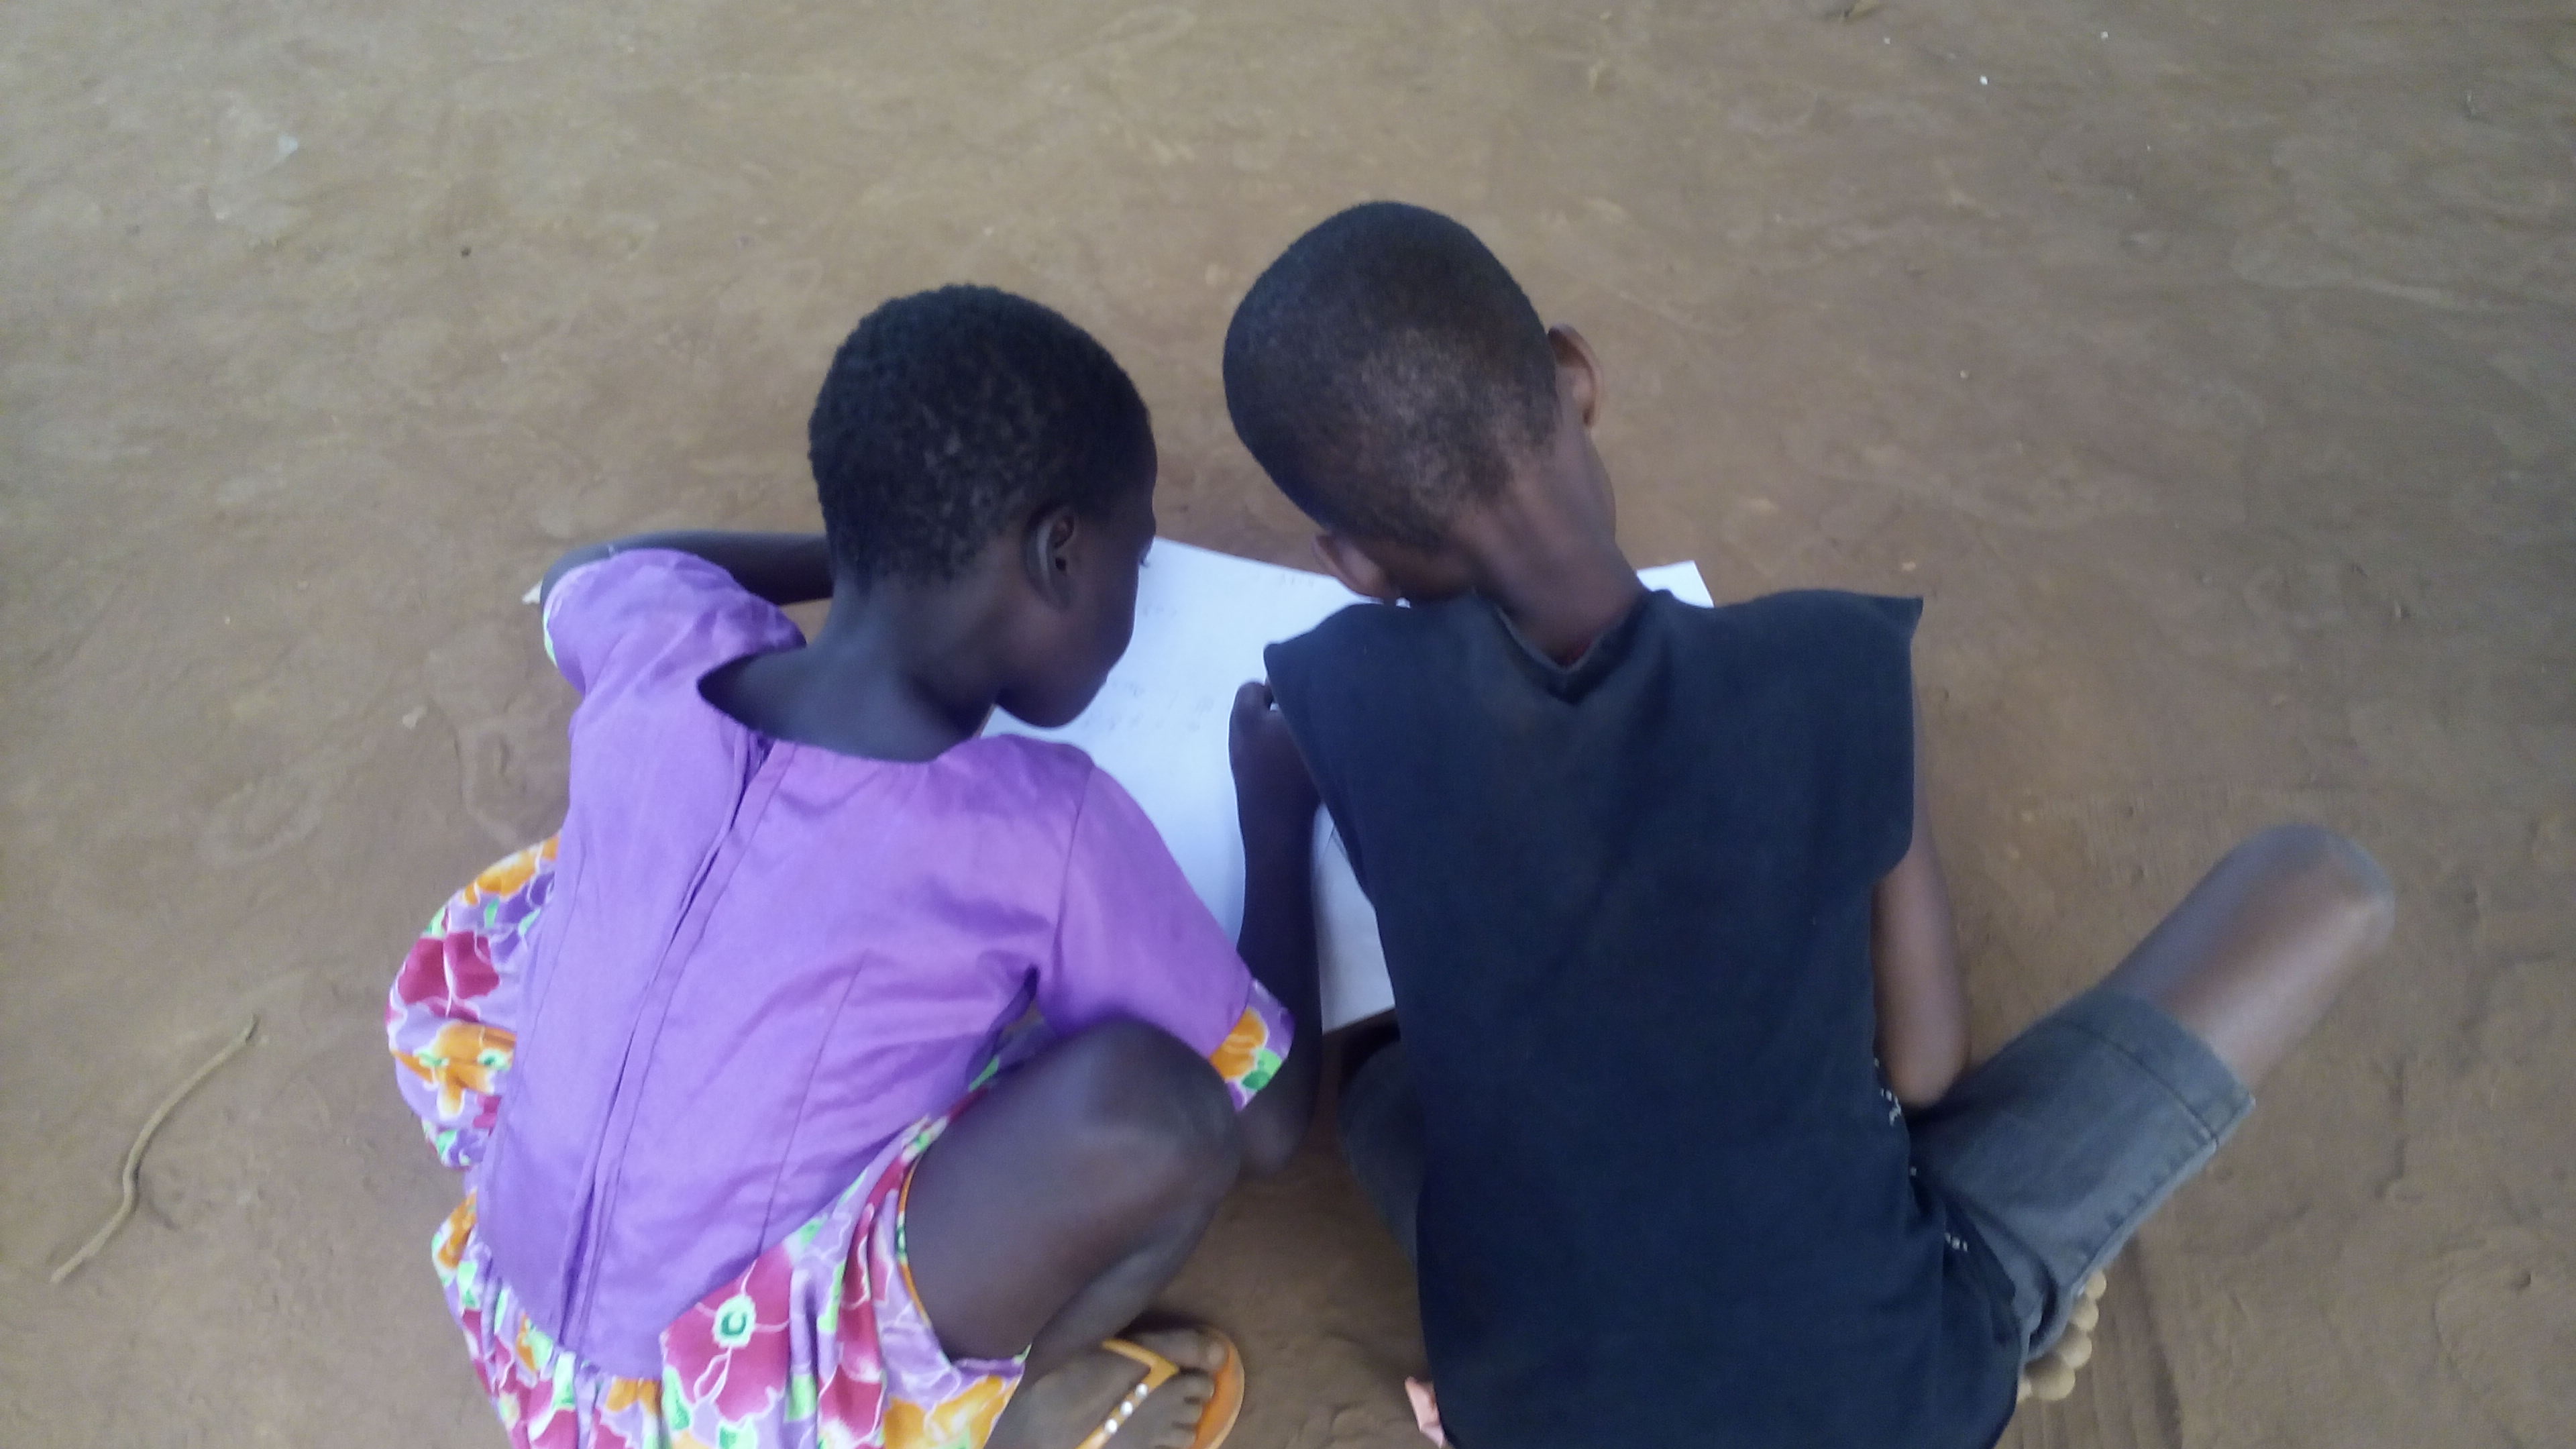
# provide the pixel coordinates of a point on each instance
(1159, 728)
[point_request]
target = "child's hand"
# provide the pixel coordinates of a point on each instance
(1272, 789)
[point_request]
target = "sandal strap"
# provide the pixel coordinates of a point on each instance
(1158, 1372)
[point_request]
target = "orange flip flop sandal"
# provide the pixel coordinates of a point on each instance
(1216, 1421)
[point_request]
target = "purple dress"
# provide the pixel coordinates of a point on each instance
(744, 973)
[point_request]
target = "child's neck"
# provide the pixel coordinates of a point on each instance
(1549, 558)
(895, 673)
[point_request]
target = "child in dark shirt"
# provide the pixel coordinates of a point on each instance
(1676, 1128)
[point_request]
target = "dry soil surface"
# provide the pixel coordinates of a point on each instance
(2211, 368)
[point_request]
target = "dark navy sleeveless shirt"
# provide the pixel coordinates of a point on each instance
(1626, 909)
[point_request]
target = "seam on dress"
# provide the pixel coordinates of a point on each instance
(713, 876)
(804, 1106)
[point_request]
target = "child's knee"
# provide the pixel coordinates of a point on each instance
(2333, 876)
(1150, 1109)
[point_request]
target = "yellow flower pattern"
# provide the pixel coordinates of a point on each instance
(962, 1422)
(1250, 1054)
(463, 1057)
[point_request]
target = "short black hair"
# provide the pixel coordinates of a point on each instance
(1387, 370)
(949, 414)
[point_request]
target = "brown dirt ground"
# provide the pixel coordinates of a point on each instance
(2212, 368)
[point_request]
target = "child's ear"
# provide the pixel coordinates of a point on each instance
(1358, 572)
(1578, 370)
(1054, 537)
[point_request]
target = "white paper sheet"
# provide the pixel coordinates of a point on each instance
(1159, 728)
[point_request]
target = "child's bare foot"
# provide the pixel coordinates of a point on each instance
(1062, 1409)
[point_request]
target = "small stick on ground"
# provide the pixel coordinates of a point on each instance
(143, 1139)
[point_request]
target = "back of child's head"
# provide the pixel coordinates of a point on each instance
(950, 415)
(1386, 371)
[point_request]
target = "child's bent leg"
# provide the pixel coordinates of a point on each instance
(1049, 1215)
(2253, 956)
(1381, 1131)
(2061, 1144)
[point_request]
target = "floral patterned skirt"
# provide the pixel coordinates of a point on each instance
(820, 1344)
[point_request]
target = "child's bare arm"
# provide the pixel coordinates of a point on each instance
(784, 568)
(1275, 798)
(1922, 1005)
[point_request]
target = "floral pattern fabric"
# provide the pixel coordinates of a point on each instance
(1248, 1057)
(444, 1017)
(819, 1344)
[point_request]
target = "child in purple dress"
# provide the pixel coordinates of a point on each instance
(836, 1067)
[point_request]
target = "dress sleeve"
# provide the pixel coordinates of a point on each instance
(1133, 940)
(619, 617)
